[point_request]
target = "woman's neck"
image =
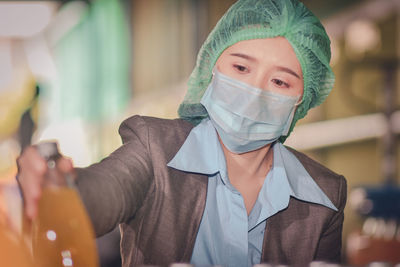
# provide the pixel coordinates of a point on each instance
(247, 172)
(253, 165)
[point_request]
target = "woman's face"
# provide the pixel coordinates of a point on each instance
(268, 64)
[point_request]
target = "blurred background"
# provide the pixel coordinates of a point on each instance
(73, 70)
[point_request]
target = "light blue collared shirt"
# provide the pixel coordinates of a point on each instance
(227, 235)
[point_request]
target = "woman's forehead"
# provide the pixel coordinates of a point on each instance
(258, 47)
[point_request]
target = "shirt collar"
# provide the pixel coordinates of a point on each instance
(300, 183)
(202, 153)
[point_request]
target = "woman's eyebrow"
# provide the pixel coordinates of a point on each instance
(243, 56)
(287, 70)
(280, 68)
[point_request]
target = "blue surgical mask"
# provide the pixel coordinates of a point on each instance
(247, 118)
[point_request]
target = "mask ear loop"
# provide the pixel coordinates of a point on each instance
(214, 70)
(298, 103)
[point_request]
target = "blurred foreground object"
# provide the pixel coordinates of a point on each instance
(13, 250)
(62, 233)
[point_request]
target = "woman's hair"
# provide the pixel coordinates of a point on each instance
(256, 19)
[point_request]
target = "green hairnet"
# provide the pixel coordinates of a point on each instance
(255, 19)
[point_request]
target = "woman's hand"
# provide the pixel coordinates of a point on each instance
(31, 171)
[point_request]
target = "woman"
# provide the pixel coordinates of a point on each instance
(217, 186)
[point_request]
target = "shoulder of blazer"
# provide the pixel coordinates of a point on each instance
(311, 163)
(151, 128)
(162, 137)
(334, 185)
(137, 123)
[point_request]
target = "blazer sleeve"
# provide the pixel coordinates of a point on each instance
(114, 189)
(330, 243)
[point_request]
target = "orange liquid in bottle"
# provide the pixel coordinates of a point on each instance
(13, 251)
(63, 235)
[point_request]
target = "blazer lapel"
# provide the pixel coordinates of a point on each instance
(196, 188)
(291, 236)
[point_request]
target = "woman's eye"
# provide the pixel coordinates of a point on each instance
(240, 68)
(280, 83)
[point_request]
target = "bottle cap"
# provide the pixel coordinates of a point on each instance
(48, 150)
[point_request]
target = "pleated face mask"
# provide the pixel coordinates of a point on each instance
(245, 117)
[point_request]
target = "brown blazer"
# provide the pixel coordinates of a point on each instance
(159, 209)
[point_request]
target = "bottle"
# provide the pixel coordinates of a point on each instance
(62, 234)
